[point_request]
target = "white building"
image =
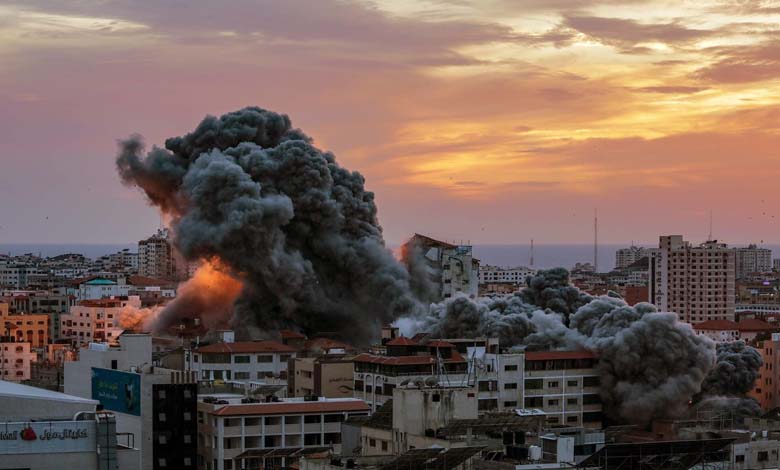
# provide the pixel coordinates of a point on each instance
(124, 380)
(15, 360)
(627, 256)
(504, 275)
(45, 430)
(235, 434)
(752, 259)
(720, 331)
(696, 282)
(249, 360)
(452, 268)
(565, 385)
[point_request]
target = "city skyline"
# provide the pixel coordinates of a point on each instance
(509, 121)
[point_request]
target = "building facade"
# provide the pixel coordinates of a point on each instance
(452, 268)
(565, 386)
(16, 360)
(696, 282)
(96, 320)
(156, 257)
(234, 433)
(625, 257)
(252, 360)
(752, 259)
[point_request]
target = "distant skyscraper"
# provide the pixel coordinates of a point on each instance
(156, 257)
(696, 282)
(752, 259)
(627, 256)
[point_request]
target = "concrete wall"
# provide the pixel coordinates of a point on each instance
(415, 410)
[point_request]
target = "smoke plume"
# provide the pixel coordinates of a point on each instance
(650, 364)
(726, 387)
(298, 230)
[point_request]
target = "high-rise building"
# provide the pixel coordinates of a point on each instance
(156, 257)
(696, 282)
(451, 268)
(752, 259)
(625, 257)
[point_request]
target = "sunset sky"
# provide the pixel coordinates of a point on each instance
(490, 121)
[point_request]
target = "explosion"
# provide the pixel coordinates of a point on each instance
(299, 231)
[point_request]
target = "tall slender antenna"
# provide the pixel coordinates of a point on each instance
(595, 240)
(532, 253)
(709, 235)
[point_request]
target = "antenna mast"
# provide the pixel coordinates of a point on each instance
(709, 235)
(595, 240)
(532, 253)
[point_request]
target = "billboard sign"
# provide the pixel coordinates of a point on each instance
(117, 391)
(45, 437)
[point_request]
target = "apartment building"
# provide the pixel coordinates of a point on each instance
(625, 257)
(250, 360)
(25, 327)
(752, 259)
(235, 432)
(503, 275)
(765, 389)
(565, 385)
(696, 282)
(15, 360)
(376, 375)
(453, 268)
(157, 257)
(96, 320)
(326, 370)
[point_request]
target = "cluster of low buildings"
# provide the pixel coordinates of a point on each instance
(108, 397)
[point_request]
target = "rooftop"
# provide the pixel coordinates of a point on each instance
(553, 355)
(405, 360)
(267, 346)
(754, 324)
(293, 407)
(716, 325)
(401, 341)
(12, 389)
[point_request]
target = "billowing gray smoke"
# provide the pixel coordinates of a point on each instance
(726, 387)
(650, 364)
(299, 230)
(550, 289)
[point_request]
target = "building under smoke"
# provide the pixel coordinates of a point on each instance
(299, 231)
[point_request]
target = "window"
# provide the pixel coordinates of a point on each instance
(571, 419)
(510, 404)
(435, 398)
(241, 375)
(552, 384)
(161, 394)
(591, 382)
(553, 402)
(162, 462)
(384, 446)
(161, 417)
(241, 359)
(534, 402)
(572, 383)
(162, 439)
(763, 456)
(510, 386)
(372, 442)
(571, 401)
(510, 367)
(265, 359)
(534, 384)
(312, 419)
(187, 439)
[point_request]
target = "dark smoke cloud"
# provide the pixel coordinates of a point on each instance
(550, 289)
(725, 388)
(300, 231)
(736, 370)
(650, 364)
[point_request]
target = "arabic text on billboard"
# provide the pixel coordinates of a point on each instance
(117, 391)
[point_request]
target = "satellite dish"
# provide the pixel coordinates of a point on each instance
(431, 381)
(404, 382)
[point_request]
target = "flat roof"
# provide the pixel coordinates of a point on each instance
(293, 407)
(15, 390)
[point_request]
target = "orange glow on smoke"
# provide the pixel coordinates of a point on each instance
(211, 286)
